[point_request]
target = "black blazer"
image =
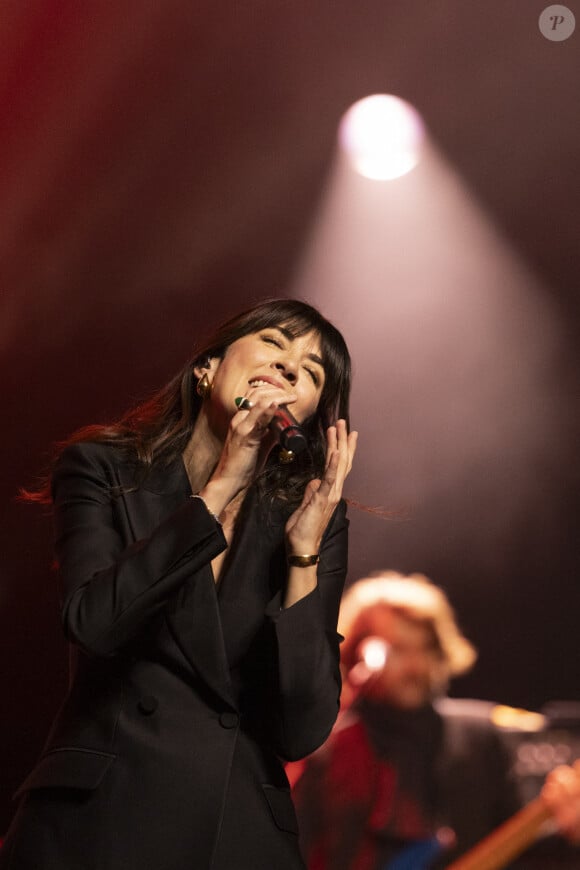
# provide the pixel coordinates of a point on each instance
(183, 695)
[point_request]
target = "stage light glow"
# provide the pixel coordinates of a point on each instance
(382, 135)
(373, 652)
(456, 348)
(371, 655)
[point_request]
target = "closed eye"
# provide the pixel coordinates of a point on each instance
(313, 375)
(270, 340)
(277, 342)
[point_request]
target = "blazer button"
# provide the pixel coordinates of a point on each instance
(147, 704)
(229, 720)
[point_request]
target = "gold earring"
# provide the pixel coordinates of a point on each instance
(203, 387)
(286, 456)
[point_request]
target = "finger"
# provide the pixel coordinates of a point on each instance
(347, 446)
(243, 403)
(270, 393)
(253, 418)
(330, 475)
(265, 412)
(342, 447)
(340, 466)
(331, 444)
(342, 433)
(351, 445)
(311, 489)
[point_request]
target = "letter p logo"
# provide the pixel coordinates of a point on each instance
(557, 23)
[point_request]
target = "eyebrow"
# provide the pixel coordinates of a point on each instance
(290, 337)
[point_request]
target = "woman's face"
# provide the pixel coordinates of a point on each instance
(268, 364)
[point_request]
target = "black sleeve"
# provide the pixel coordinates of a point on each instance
(307, 646)
(112, 590)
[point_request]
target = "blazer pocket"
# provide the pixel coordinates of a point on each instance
(68, 768)
(282, 808)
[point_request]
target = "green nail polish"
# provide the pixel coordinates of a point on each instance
(238, 400)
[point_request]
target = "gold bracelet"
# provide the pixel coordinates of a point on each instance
(303, 561)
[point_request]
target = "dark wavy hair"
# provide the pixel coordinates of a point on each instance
(158, 429)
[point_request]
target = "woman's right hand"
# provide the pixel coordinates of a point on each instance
(245, 450)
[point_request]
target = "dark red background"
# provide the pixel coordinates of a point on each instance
(160, 163)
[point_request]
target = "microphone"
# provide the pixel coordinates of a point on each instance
(288, 432)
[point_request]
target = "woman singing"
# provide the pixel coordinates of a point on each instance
(201, 575)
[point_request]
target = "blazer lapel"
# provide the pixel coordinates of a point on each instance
(193, 614)
(194, 622)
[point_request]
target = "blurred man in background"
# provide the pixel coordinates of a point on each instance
(410, 779)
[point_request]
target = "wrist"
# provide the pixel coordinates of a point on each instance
(216, 496)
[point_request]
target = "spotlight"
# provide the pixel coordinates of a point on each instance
(371, 657)
(382, 135)
(374, 652)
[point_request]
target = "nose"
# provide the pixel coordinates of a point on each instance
(287, 369)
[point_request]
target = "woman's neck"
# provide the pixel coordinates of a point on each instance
(201, 453)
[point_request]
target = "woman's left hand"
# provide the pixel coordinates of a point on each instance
(306, 526)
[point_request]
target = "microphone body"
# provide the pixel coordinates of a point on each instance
(288, 432)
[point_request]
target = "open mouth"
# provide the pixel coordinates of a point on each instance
(258, 382)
